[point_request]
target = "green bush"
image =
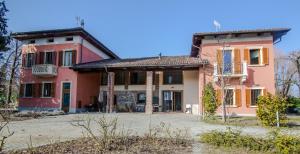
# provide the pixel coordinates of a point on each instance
(209, 100)
(275, 142)
(267, 107)
(294, 102)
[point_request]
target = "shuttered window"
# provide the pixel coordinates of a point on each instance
(49, 58)
(254, 56)
(229, 97)
(48, 89)
(28, 90)
(255, 93)
(29, 59)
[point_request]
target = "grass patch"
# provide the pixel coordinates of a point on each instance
(274, 143)
(293, 121)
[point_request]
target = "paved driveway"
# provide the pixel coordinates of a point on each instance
(59, 128)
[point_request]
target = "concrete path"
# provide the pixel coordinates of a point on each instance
(59, 128)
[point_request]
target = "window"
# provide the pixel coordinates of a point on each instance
(69, 38)
(50, 40)
(31, 41)
(29, 59)
(119, 78)
(68, 58)
(103, 78)
(227, 58)
(49, 58)
(254, 56)
(141, 98)
(255, 93)
(229, 96)
(47, 89)
(28, 90)
(138, 78)
(172, 77)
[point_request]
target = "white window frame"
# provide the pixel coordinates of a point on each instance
(24, 89)
(260, 55)
(63, 59)
(43, 82)
(261, 93)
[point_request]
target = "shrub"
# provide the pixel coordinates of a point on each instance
(268, 105)
(209, 100)
(275, 142)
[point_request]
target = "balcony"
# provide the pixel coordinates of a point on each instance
(44, 70)
(231, 70)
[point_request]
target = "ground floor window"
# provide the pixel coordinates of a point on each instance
(255, 93)
(28, 90)
(47, 89)
(141, 98)
(229, 97)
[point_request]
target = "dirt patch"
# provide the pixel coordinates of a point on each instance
(132, 144)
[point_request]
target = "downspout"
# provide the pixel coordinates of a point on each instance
(81, 44)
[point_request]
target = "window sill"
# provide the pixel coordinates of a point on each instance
(257, 65)
(232, 106)
(253, 106)
(27, 97)
(46, 97)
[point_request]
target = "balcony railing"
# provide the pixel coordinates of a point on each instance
(231, 70)
(44, 70)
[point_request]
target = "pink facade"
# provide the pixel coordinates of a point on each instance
(81, 87)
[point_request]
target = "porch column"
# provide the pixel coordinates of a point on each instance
(149, 92)
(110, 91)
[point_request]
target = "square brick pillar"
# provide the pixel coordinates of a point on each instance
(110, 92)
(149, 92)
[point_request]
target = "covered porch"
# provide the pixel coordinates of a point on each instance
(154, 84)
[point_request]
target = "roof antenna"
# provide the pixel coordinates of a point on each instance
(217, 25)
(79, 22)
(82, 23)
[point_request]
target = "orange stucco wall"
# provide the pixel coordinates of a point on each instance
(259, 76)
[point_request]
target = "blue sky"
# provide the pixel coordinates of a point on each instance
(136, 28)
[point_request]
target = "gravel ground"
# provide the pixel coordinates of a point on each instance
(59, 128)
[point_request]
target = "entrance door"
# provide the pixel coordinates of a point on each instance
(172, 101)
(66, 96)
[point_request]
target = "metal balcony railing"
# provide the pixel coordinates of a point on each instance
(44, 70)
(231, 70)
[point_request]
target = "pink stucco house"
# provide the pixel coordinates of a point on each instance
(70, 70)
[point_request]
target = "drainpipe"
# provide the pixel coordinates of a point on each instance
(81, 44)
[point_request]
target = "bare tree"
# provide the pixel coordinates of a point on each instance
(295, 59)
(10, 65)
(287, 68)
(285, 74)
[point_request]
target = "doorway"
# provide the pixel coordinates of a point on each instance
(172, 101)
(66, 96)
